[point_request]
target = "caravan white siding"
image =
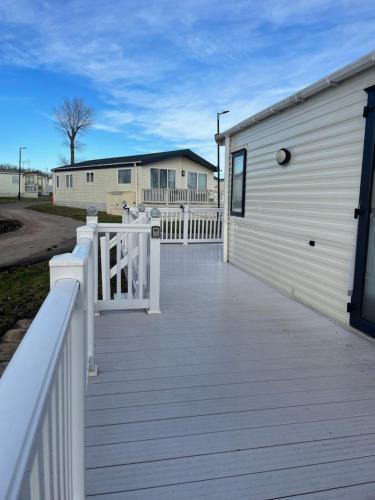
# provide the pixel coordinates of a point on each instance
(311, 199)
(80, 193)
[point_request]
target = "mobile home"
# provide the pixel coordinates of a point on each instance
(170, 177)
(299, 210)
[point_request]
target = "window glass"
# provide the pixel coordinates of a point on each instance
(67, 180)
(171, 179)
(87, 176)
(154, 178)
(92, 176)
(57, 181)
(71, 180)
(192, 180)
(202, 182)
(238, 179)
(14, 179)
(124, 176)
(163, 178)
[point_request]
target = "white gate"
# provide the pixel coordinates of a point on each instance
(128, 253)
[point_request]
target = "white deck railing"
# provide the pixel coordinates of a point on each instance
(190, 225)
(42, 390)
(174, 196)
(31, 188)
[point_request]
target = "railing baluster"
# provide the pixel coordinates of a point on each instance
(46, 444)
(118, 266)
(61, 431)
(35, 483)
(130, 267)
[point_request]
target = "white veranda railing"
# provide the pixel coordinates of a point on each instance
(42, 390)
(189, 225)
(178, 196)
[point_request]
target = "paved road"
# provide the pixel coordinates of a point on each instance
(41, 235)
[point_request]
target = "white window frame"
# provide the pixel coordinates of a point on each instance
(197, 174)
(168, 170)
(124, 170)
(69, 181)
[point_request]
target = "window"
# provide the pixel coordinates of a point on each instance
(57, 181)
(238, 183)
(69, 181)
(125, 176)
(162, 178)
(89, 176)
(14, 179)
(197, 181)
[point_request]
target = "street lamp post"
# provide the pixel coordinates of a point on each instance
(218, 156)
(19, 173)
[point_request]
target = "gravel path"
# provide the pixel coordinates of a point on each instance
(41, 235)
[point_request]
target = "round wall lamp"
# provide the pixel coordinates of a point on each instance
(283, 156)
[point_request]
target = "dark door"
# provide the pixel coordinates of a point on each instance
(362, 315)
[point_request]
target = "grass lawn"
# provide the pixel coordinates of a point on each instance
(73, 213)
(22, 291)
(14, 200)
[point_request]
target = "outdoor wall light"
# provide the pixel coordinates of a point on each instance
(283, 156)
(141, 208)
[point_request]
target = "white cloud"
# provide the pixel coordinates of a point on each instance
(163, 68)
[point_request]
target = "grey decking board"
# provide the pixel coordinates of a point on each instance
(229, 421)
(265, 486)
(233, 387)
(216, 465)
(225, 441)
(179, 387)
(358, 492)
(224, 405)
(195, 373)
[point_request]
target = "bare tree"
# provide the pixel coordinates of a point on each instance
(73, 117)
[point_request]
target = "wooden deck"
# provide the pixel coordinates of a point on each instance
(233, 392)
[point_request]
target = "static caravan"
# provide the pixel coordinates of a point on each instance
(299, 191)
(169, 177)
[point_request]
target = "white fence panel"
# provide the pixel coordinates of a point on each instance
(191, 225)
(125, 262)
(42, 389)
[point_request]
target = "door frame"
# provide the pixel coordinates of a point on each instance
(363, 213)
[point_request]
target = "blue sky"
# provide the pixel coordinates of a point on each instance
(156, 72)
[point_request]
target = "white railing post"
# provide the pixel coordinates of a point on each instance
(62, 267)
(89, 231)
(155, 262)
(186, 225)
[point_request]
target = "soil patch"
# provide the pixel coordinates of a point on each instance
(8, 225)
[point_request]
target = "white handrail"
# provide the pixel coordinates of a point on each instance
(42, 390)
(29, 389)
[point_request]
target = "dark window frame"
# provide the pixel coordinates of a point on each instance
(235, 154)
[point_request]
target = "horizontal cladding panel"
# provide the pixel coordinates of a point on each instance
(327, 118)
(329, 101)
(312, 198)
(295, 282)
(341, 134)
(326, 253)
(297, 260)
